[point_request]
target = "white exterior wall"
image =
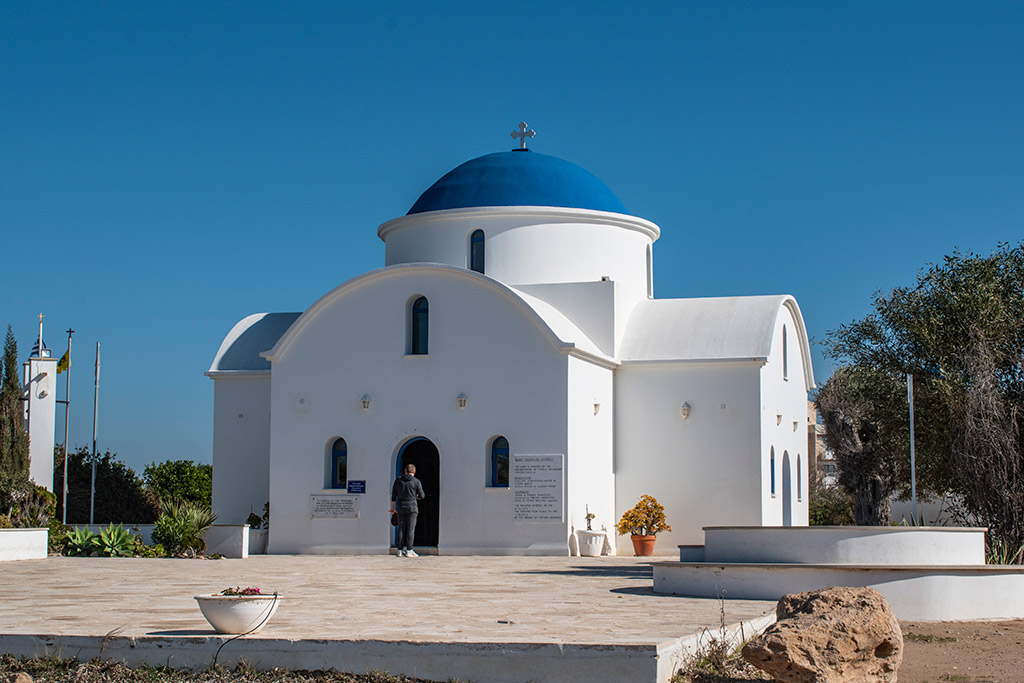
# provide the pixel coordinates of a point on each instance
(40, 386)
(783, 405)
(591, 479)
(482, 342)
(528, 245)
(702, 469)
(241, 446)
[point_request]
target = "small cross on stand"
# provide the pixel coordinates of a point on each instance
(523, 133)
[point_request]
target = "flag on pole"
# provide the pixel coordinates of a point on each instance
(64, 363)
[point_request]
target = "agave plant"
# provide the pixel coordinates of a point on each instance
(80, 542)
(114, 541)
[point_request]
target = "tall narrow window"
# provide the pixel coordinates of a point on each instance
(339, 464)
(799, 479)
(785, 354)
(499, 462)
(476, 251)
(420, 326)
(650, 274)
(771, 466)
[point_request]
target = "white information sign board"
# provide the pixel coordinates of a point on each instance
(335, 507)
(537, 487)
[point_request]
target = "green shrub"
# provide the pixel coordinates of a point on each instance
(34, 510)
(80, 542)
(5, 522)
(181, 527)
(830, 506)
(58, 536)
(140, 549)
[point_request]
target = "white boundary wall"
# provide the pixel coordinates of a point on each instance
(846, 545)
(23, 544)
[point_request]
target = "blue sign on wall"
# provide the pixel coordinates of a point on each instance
(356, 486)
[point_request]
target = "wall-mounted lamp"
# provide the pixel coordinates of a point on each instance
(463, 400)
(778, 418)
(597, 407)
(366, 402)
(684, 410)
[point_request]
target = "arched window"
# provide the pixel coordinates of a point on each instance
(499, 462)
(419, 327)
(799, 479)
(650, 274)
(476, 251)
(339, 464)
(785, 354)
(771, 466)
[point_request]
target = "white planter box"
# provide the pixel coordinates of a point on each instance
(238, 613)
(23, 544)
(591, 542)
(229, 540)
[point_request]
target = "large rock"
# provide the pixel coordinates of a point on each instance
(830, 635)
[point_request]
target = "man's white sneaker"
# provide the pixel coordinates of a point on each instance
(401, 553)
(411, 553)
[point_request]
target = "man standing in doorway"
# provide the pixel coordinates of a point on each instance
(405, 494)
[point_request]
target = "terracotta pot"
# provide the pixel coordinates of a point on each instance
(643, 546)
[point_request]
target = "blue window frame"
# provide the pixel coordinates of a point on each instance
(499, 462)
(420, 326)
(771, 465)
(476, 251)
(339, 464)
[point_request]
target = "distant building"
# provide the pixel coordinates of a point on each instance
(821, 460)
(512, 348)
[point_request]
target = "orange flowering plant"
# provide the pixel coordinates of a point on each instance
(647, 518)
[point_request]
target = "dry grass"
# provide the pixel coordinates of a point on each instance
(55, 670)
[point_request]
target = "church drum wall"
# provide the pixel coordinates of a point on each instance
(531, 245)
(481, 343)
(703, 469)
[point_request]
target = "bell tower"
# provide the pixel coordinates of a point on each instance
(40, 392)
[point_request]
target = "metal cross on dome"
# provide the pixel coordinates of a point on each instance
(523, 133)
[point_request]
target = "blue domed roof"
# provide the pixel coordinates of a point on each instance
(518, 178)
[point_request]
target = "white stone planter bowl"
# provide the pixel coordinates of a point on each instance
(238, 613)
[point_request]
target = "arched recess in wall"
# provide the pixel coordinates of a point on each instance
(476, 251)
(498, 463)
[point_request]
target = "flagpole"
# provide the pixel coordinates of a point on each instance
(95, 417)
(913, 463)
(67, 405)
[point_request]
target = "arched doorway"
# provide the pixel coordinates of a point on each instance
(787, 491)
(423, 453)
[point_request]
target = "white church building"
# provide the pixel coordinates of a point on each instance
(512, 348)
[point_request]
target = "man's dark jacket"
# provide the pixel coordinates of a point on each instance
(406, 490)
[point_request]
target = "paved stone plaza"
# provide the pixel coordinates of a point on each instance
(481, 619)
(467, 599)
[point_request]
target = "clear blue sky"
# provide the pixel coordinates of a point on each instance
(168, 168)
